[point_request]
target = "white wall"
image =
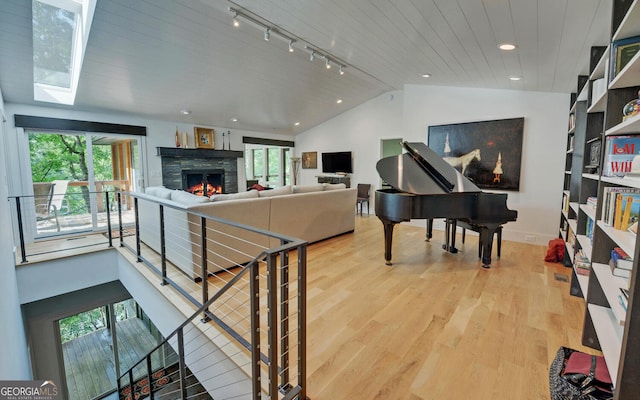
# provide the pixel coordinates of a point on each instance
(358, 130)
(14, 363)
(66, 275)
(407, 114)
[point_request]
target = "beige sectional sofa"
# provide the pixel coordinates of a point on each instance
(308, 212)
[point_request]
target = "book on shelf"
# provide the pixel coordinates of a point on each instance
(622, 51)
(619, 154)
(621, 259)
(620, 207)
(565, 202)
(623, 302)
(582, 263)
(616, 271)
(572, 122)
(589, 229)
(592, 201)
(625, 293)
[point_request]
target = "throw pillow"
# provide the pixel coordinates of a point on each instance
(251, 194)
(276, 192)
(334, 186)
(319, 187)
(159, 191)
(180, 196)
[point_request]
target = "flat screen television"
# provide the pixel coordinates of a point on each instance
(337, 162)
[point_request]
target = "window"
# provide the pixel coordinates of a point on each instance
(60, 33)
(268, 164)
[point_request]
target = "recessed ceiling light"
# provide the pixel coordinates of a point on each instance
(339, 101)
(234, 119)
(426, 75)
(506, 46)
(515, 78)
(185, 112)
(296, 123)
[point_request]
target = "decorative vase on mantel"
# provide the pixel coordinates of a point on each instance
(177, 137)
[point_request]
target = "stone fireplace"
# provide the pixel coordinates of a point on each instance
(185, 169)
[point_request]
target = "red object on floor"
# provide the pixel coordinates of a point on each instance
(555, 253)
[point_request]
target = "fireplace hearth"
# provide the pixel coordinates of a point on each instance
(203, 182)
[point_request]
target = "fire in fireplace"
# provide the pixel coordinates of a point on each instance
(203, 182)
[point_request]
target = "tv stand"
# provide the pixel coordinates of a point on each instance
(334, 179)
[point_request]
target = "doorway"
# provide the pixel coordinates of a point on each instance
(71, 174)
(388, 148)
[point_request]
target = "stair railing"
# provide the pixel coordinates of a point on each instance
(253, 304)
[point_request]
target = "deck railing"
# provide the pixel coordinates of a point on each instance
(247, 337)
(35, 221)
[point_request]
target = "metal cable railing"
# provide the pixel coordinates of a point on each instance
(247, 337)
(36, 219)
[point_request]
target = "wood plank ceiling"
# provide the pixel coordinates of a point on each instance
(156, 57)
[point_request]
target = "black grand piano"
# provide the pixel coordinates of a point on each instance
(424, 186)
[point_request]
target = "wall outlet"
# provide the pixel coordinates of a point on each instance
(529, 238)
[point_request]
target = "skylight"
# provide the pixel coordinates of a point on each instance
(60, 33)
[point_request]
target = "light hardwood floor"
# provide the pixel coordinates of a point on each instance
(434, 325)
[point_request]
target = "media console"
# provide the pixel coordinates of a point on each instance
(334, 179)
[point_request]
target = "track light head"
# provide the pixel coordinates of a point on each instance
(327, 63)
(341, 70)
(236, 21)
(267, 34)
(291, 42)
(312, 56)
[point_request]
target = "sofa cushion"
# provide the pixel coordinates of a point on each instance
(187, 198)
(318, 187)
(276, 192)
(333, 186)
(251, 194)
(159, 191)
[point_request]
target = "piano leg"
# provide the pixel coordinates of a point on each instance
(486, 240)
(450, 236)
(388, 240)
(429, 232)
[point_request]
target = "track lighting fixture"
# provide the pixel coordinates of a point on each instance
(270, 29)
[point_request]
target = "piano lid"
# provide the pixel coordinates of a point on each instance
(422, 171)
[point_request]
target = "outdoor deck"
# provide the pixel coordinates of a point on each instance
(89, 362)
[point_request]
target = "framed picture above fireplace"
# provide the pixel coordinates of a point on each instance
(204, 137)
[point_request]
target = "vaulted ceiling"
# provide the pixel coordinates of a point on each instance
(156, 57)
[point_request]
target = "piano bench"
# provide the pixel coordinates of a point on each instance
(476, 228)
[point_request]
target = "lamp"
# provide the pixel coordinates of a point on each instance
(341, 71)
(236, 22)
(291, 42)
(327, 64)
(267, 34)
(295, 168)
(312, 56)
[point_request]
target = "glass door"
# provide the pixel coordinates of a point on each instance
(72, 174)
